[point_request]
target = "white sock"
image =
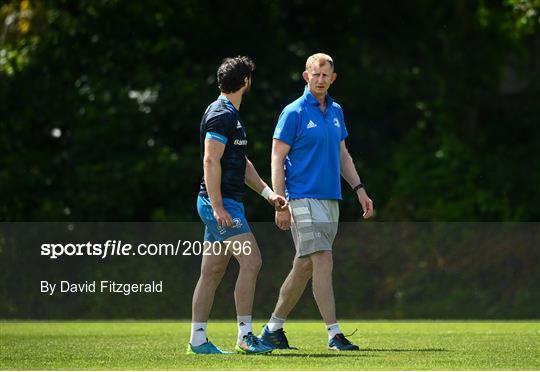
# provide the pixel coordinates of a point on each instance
(333, 329)
(198, 334)
(244, 326)
(275, 323)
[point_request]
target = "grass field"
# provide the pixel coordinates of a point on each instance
(161, 345)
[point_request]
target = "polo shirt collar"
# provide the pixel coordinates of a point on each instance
(310, 98)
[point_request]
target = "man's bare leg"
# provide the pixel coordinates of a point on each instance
(247, 253)
(212, 269)
(293, 287)
(250, 264)
(291, 290)
(323, 290)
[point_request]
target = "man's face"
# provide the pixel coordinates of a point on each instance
(319, 78)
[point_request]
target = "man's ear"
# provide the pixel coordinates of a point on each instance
(305, 75)
(334, 77)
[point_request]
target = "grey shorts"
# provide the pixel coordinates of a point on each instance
(314, 225)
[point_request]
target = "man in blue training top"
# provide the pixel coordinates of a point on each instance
(223, 144)
(308, 157)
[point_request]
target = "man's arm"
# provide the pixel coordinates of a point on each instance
(349, 173)
(255, 182)
(213, 151)
(280, 150)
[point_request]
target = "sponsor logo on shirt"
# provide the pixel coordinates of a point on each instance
(336, 122)
(238, 124)
(311, 124)
(240, 142)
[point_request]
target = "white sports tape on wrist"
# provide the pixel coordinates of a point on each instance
(266, 192)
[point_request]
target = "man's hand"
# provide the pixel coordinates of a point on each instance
(283, 219)
(366, 203)
(222, 217)
(278, 202)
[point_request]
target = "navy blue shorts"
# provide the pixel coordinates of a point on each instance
(212, 231)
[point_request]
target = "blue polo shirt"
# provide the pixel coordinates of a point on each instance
(312, 167)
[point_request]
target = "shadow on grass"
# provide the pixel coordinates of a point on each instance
(428, 350)
(355, 354)
(329, 355)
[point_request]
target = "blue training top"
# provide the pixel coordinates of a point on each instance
(221, 122)
(312, 167)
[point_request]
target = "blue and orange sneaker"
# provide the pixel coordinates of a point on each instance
(340, 343)
(276, 339)
(206, 348)
(250, 344)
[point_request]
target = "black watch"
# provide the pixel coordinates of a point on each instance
(358, 187)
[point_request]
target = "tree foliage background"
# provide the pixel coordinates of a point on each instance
(100, 103)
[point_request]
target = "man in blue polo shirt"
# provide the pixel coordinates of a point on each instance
(308, 157)
(226, 168)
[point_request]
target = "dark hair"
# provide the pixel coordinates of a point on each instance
(232, 73)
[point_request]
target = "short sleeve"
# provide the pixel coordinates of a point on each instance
(344, 133)
(286, 126)
(219, 127)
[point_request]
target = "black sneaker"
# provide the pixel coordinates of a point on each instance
(276, 339)
(340, 343)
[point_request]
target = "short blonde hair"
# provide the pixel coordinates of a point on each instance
(319, 58)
